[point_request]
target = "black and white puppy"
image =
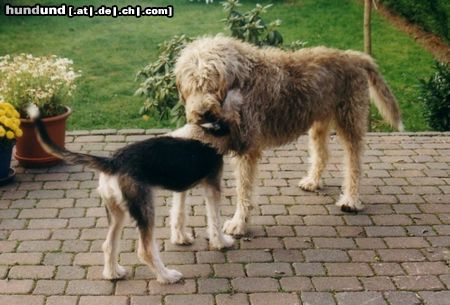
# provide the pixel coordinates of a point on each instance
(178, 161)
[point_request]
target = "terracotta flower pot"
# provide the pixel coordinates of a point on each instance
(29, 152)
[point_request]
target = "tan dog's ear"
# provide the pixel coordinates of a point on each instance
(232, 105)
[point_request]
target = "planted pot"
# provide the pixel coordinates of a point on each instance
(29, 152)
(6, 172)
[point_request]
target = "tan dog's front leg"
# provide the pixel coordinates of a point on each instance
(246, 166)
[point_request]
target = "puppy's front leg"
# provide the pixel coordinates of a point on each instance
(178, 234)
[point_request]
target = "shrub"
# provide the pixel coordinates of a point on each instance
(158, 83)
(250, 27)
(431, 15)
(435, 94)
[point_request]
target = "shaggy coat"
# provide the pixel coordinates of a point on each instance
(176, 162)
(268, 97)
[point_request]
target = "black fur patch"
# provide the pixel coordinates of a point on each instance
(172, 163)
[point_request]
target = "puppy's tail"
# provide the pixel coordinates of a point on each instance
(102, 164)
(383, 98)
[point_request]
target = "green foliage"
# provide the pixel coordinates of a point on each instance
(158, 83)
(435, 94)
(432, 15)
(250, 27)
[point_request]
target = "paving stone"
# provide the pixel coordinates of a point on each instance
(325, 255)
(268, 269)
(232, 299)
(31, 272)
(402, 298)
(348, 269)
(103, 300)
(21, 299)
(146, 300)
(358, 298)
(274, 298)
(87, 287)
(16, 286)
(62, 300)
(436, 297)
(249, 284)
(49, 287)
(215, 285)
(131, 287)
(336, 283)
(198, 299)
(420, 282)
(317, 298)
(184, 287)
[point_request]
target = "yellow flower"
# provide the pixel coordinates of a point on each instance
(7, 123)
(16, 114)
(10, 135)
(2, 132)
(2, 112)
(19, 133)
(145, 117)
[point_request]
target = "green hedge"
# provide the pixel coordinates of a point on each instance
(431, 15)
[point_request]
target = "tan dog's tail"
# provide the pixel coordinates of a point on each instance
(383, 98)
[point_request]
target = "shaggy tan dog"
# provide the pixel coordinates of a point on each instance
(269, 97)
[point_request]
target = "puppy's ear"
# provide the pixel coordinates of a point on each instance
(218, 128)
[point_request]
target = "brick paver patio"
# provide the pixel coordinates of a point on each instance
(302, 249)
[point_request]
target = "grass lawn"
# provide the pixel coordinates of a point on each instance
(110, 51)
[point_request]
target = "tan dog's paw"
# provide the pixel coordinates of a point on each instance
(224, 241)
(308, 184)
(349, 205)
(234, 227)
(170, 276)
(179, 237)
(119, 273)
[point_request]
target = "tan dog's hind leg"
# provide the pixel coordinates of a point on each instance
(246, 166)
(351, 127)
(318, 145)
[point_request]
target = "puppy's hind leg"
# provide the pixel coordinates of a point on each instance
(148, 253)
(112, 270)
(318, 145)
(217, 239)
(116, 215)
(178, 234)
(141, 208)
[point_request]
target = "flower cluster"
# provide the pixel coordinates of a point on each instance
(9, 124)
(45, 81)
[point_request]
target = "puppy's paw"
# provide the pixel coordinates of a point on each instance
(308, 184)
(224, 241)
(234, 227)
(169, 276)
(110, 274)
(179, 237)
(349, 205)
